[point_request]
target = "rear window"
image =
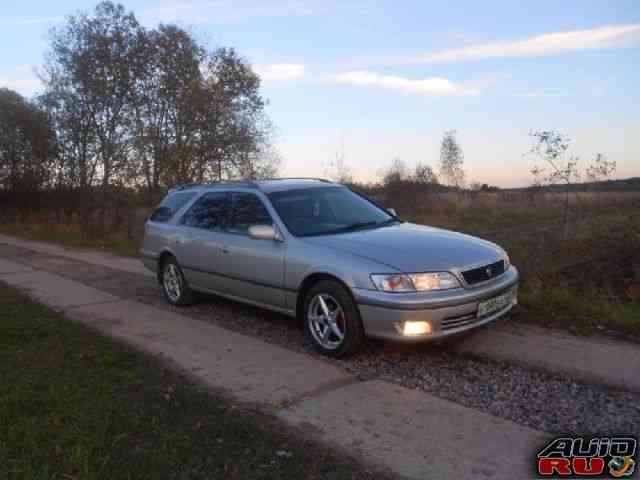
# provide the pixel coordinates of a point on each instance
(170, 205)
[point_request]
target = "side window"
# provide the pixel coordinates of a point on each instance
(209, 211)
(247, 210)
(170, 205)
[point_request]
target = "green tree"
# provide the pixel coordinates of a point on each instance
(93, 67)
(27, 143)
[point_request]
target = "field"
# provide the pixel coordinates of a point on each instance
(582, 273)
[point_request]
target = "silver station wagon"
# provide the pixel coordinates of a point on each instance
(315, 250)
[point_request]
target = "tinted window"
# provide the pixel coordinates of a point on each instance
(319, 211)
(248, 210)
(209, 211)
(170, 205)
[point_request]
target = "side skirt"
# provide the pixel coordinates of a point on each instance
(288, 312)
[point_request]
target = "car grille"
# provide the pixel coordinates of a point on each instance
(484, 273)
(459, 321)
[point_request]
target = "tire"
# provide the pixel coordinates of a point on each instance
(174, 286)
(344, 319)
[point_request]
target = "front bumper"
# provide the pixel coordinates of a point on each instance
(449, 312)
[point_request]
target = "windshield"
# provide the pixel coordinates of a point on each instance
(321, 211)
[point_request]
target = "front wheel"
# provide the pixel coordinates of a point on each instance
(331, 320)
(174, 285)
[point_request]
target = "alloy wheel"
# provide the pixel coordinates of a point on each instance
(172, 282)
(326, 321)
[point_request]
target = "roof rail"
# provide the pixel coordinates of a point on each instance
(299, 178)
(241, 183)
(184, 186)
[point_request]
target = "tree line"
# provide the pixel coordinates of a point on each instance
(124, 106)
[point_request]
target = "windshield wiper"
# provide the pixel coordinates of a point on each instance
(357, 225)
(388, 222)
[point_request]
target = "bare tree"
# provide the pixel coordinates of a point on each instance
(551, 146)
(337, 169)
(451, 160)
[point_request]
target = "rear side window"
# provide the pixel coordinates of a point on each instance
(247, 210)
(170, 205)
(209, 212)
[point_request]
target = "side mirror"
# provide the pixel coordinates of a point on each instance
(392, 211)
(264, 232)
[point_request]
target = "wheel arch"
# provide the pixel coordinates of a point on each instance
(312, 279)
(164, 255)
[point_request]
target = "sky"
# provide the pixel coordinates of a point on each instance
(377, 80)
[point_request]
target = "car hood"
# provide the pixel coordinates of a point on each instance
(414, 248)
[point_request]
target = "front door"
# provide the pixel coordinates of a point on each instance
(255, 267)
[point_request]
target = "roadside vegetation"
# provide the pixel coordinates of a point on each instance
(75, 404)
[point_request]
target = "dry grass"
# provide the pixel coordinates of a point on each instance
(71, 235)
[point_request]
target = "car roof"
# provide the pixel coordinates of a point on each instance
(266, 186)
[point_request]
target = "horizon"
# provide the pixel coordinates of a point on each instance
(376, 83)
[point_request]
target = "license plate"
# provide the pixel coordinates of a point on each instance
(497, 303)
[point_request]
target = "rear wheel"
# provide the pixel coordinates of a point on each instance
(174, 285)
(331, 320)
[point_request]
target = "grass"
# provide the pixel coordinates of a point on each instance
(75, 404)
(71, 236)
(581, 312)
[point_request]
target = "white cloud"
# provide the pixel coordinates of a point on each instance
(430, 85)
(280, 71)
(609, 36)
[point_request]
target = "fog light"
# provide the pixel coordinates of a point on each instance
(416, 328)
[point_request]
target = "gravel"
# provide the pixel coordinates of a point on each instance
(548, 402)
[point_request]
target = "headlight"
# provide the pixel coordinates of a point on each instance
(420, 282)
(425, 282)
(393, 283)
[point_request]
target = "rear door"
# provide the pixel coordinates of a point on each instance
(200, 242)
(255, 267)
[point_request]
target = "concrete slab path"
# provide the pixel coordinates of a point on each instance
(414, 434)
(591, 359)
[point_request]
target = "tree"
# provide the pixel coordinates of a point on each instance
(395, 174)
(424, 174)
(166, 107)
(234, 127)
(601, 169)
(135, 106)
(451, 160)
(337, 169)
(93, 67)
(551, 146)
(27, 143)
